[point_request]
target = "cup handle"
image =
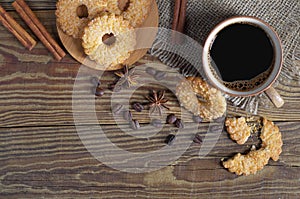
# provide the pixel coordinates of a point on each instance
(274, 97)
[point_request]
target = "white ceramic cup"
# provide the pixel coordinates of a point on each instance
(266, 86)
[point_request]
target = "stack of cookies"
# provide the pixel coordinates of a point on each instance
(106, 27)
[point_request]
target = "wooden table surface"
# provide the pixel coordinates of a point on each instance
(42, 156)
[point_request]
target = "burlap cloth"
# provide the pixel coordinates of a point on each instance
(203, 15)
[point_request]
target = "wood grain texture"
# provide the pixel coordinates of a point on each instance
(30, 87)
(35, 94)
(33, 4)
(53, 162)
(42, 94)
(42, 156)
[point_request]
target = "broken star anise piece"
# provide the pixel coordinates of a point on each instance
(157, 102)
(127, 77)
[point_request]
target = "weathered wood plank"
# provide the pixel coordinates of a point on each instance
(33, 4)
(30, 88)
(53, 162)
(33, 93)
(47, 159)
(36, 141)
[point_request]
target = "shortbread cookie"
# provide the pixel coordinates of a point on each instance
(238, 129)
(271, 139)
(200, 98)
(113, 7)
(248, 164)
(255, 160)
(67, 14)
(137, 12)
(109, 54)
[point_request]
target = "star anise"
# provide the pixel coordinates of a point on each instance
(157, 102)
(127, 77)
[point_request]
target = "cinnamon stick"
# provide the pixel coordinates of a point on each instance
(179, 20)
(182, 14)
(176, 14)
(39, 30)
(20, 33)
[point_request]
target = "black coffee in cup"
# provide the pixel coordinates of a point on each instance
(243, 55)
